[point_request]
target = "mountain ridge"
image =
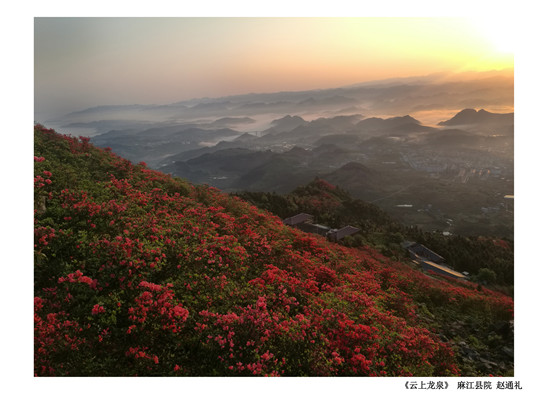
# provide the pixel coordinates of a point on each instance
(470, 116)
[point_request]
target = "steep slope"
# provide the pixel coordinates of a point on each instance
(138, 273)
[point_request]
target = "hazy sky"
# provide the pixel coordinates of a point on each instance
(83, 62)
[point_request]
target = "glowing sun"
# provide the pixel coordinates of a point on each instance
(499, 32)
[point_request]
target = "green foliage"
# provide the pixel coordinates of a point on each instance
(486, 276)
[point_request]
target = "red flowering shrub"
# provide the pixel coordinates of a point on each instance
(138, 273)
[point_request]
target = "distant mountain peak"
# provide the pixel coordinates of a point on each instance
(375, 123)
(469, 116)
(288, 119)
(286, 123)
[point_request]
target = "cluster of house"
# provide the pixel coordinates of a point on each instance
(305, 223)
(430, 260)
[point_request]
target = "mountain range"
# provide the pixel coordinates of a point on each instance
(393, 161)
(416, 143)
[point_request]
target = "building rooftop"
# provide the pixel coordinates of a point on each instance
(298, 219)
(343, 232)
(314, 228)
(445, 269)
(423, 251)
(407, 244)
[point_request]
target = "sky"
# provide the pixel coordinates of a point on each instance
(84, 62)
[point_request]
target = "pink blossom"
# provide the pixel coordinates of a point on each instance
(97, 309)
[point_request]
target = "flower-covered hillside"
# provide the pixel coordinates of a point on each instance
(138, 273)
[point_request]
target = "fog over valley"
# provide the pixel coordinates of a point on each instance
(431, 99)
(433, 151)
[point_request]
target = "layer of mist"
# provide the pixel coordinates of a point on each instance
(434, 152)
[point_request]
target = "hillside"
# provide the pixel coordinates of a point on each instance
(335, 207)
(139, 273)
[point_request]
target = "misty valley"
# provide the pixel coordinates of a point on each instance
(432, 152)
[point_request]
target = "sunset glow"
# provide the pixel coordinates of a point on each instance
(81, 62)
(500, 34)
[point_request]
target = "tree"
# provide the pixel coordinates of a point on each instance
(486, 276)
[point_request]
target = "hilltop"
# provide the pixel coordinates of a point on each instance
(140, 273)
